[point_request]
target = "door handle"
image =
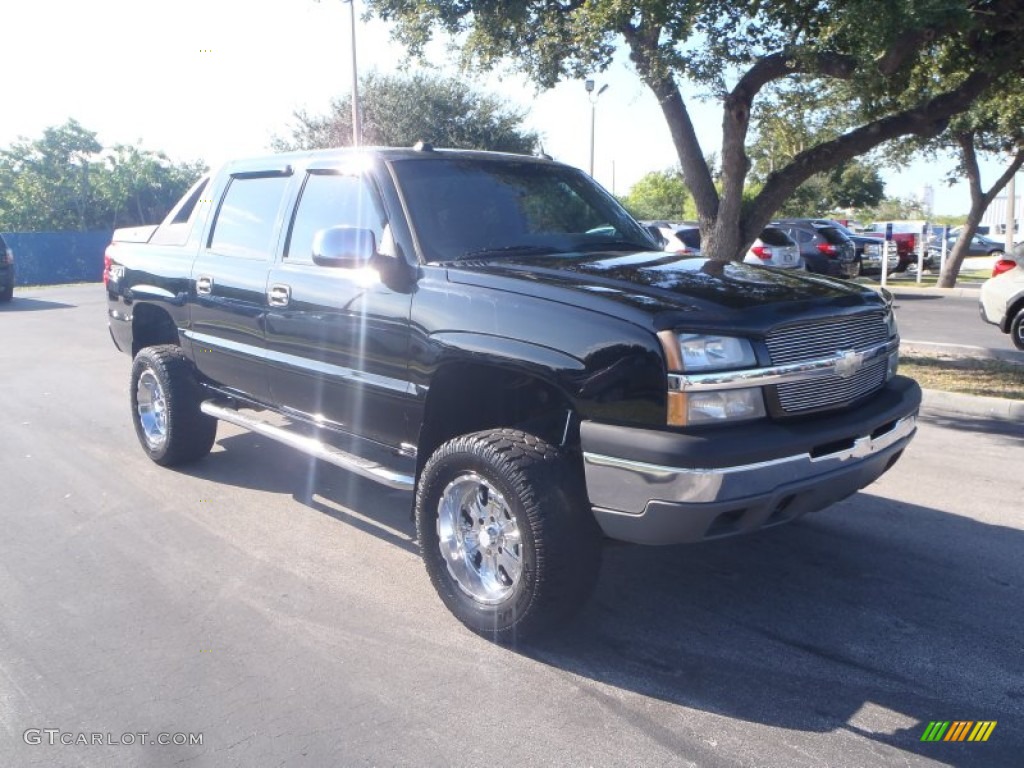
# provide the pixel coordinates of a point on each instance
(204, 285)
(279, 295)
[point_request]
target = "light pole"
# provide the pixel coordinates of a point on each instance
(357, 129)
(589, 85)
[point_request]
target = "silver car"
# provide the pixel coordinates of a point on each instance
(774, 248)
(1002, 299)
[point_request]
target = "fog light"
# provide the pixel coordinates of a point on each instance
(724, 405)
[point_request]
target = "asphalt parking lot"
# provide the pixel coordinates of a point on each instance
(278, 608)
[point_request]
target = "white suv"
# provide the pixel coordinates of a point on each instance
(1002, 299)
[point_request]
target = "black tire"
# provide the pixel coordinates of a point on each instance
(540, 515)
(1017, 330)
(165, 407)
(7, 293)
(858, 269)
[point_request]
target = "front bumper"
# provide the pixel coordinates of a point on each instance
(666, 488)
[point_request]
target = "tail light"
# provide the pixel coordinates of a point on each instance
(107, 261)
(684, 251)
(1003, 265)
(828, 249)
(762, 252)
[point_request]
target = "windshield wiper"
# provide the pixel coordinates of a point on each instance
(511, 250)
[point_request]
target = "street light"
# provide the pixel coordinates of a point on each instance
(589, 85)
(356, 127)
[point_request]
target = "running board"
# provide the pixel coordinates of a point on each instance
(312, 447)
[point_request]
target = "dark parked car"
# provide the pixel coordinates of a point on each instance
(869, 249)
(980, 245)
(6, 271)
(824, 247)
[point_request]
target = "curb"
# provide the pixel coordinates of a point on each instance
(939, 403)
(905, 292)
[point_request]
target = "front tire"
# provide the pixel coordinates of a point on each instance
(506, 534)
(165, 407)
(1017, 330)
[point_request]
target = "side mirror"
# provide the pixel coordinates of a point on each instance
(345, 247)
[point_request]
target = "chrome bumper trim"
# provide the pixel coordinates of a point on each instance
(629, 486)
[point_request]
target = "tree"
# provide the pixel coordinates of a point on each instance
(399, 110)
(49, 183)
(67, 181)
(994, 126)
(660, 195)
(139, 186)
(918, 63)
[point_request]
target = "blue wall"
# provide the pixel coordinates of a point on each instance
(47, 258)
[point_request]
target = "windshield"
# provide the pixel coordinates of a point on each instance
(467, 207)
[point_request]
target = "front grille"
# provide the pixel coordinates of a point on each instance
(821, 339)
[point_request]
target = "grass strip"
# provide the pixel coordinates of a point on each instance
(990, 378)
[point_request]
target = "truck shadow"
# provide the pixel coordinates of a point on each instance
(31, 305)
(1010, 432)
(361, 504)
(872, 618)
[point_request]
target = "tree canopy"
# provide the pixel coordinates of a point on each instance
(907, 67)
(400, 110)
(660, 195)
(66, 180)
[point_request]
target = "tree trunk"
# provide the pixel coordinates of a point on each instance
(980, 201)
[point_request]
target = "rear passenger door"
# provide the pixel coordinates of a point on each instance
(337, 338)
(229, 281)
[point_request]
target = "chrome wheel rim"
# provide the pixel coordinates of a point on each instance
(152, 409)
(479, 539)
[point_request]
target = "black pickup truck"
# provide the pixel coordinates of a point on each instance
(495, 334)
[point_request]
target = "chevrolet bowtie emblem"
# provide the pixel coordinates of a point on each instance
(848, 363)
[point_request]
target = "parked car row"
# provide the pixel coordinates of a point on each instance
(822, 246)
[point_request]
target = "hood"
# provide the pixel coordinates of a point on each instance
(664, 285)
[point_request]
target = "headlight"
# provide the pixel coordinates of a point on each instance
(706, 353)
(715, 353)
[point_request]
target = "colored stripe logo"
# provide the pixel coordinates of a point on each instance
(958, 730)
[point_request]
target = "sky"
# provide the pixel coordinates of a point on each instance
(217, 79)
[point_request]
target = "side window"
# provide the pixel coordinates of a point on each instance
(332, 200)
(247, 215)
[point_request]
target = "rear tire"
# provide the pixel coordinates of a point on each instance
(506, 533)
(165, 399)
(1017, 330)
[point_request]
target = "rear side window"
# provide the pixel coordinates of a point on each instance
(772, 236)
(331, 200)
(246, 220)
(832, 235)
(177, 227)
